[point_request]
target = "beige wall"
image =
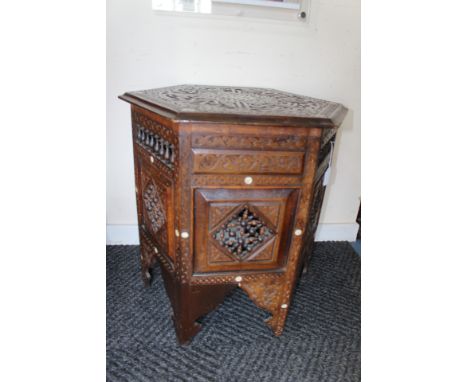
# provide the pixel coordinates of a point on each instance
(319, 59)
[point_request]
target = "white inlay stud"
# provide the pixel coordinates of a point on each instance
(177, 232)
(298, 232)
(147, 274)
(156, 250)
(248, 180)
(284, 306)
(151, 159)
(238, 279)
(184, 235)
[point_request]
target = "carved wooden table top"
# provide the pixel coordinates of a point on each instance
(254, 105)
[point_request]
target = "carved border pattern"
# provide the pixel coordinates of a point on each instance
(288, 142)
(230, 279)
(183, 219)
(256, 162)
(238, 180)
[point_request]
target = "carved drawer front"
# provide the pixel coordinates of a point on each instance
(241, 230)
(207, 161)
(155, 201)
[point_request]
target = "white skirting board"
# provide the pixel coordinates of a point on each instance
(128, 234)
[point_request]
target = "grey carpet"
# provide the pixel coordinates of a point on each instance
(321, 340)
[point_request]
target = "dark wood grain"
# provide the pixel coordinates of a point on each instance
(229, 190)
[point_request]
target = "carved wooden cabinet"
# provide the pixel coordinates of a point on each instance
(229, 185)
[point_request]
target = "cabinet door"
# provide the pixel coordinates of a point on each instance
(156, 206)
(242, 230)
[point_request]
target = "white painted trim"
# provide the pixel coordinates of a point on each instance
(128, 234)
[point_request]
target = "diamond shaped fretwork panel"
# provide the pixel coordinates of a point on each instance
(154, 206)
(243, 233)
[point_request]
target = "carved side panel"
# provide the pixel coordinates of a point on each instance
(156, 204)
(153, 204)
(156, 165)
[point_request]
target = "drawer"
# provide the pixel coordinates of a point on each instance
(207, 161)
(243, 229)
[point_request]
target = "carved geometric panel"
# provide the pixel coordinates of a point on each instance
(153, 206)
(270, 211)
(218, 211)
(243, 232)
(242, 229)
(265, 254)
(215, 255)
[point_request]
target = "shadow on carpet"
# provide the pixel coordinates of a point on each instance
(320, 342)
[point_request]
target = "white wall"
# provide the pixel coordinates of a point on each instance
(319, 59)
